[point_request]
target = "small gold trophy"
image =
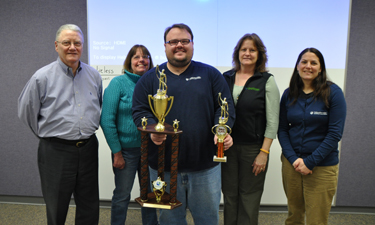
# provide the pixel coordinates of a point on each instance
(221, 130)
(159, 189)
(161, 100)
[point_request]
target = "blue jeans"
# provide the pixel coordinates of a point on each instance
(199, 191)
(124, 180)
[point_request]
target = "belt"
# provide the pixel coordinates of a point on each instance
(78, 143)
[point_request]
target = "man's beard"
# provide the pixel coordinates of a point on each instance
(179, 63)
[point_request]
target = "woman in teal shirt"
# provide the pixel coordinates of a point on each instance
(122, 135)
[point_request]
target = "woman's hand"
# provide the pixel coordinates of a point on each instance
(300, 167)
(118, 160)
(228, 142)
(260, 162)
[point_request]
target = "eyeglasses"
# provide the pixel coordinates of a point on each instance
(138, 57)
(175, 42)
(68, 43)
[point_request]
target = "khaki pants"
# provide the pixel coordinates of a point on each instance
(310, 194)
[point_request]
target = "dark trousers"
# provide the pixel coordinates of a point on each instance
(65, 170)
(241, 188)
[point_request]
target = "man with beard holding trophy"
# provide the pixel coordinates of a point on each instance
(195, 87)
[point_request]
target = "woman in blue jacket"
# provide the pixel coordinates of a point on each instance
(122, 135)
(256, 99)
(312, 116)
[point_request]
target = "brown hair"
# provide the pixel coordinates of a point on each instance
(320, 83)
(180, 26)
(131, 53)
(262, 53)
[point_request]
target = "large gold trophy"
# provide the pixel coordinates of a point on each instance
(221, 130)
(159, 198)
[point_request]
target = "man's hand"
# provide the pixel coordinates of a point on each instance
(158, 138)
(228, 141)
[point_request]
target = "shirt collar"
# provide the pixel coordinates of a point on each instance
(304, 95)
(66, 68)
(134, 77)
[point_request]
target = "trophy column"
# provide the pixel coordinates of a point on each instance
(174, 165)
(161, 154)
(144, 166)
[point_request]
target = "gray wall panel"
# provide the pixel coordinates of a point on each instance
(27, 33)
(357, 167)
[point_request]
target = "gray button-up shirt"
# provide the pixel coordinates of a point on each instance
(54, 103)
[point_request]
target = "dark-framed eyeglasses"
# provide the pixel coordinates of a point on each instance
(68, 43)
(175, 42)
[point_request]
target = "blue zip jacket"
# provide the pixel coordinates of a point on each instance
(311, 131)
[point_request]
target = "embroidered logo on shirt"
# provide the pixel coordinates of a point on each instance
(193, 78)
(318, 113)
(252, 89)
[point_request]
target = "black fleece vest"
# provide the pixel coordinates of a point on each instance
(250, 123)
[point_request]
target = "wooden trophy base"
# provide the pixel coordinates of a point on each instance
(163, 204)
(219, 159)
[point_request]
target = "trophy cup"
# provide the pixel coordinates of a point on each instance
(221, 130)
(159, 198)
(161, 100)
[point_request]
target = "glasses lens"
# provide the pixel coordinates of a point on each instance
(67, 43)
(185, 41)
(138, 57)
(175, 42)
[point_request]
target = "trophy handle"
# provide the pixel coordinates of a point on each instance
(213, 129)
(230, 130)
(170, 106)
(149, 102)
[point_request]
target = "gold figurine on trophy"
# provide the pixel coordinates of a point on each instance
(221, 130)
(161, 100)
(144, 123)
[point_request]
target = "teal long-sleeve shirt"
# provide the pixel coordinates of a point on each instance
(116, 118)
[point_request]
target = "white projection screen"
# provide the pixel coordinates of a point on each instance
(286, 28)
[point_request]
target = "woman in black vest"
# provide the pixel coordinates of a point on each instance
(256, 99)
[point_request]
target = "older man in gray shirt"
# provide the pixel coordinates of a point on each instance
(61, 104)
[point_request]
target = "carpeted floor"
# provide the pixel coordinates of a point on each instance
(20, 214)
